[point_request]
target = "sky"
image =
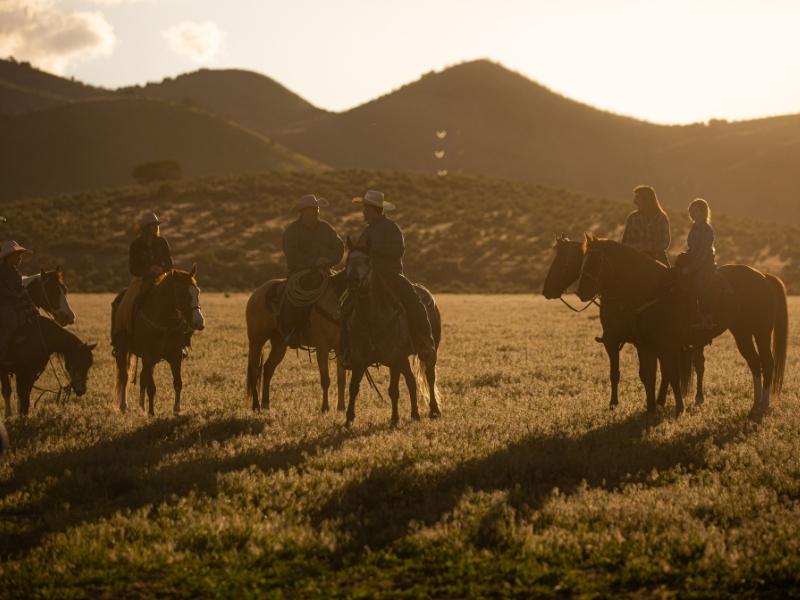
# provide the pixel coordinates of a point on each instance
(671, 61)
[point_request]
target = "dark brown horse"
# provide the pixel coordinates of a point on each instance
(48, 292)
(169, 312)
(755, 311)
(564, 271)
(378, 334)
(31, 350)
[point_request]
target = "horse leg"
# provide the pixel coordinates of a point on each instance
(612, 349)
(670, 372)
(355, 383)
(763, 339)
(148, 384)
(142, 390)
(430, 374)
(324, 376)
(663, 388)
(177, 383)
(699, 359)
(341, 381)
(647, 373)
(411, 384)
(5, 381)
(24, 387)
(121, 385)
(744, 342)
(276, 353)
(255, 348)
(394, 394)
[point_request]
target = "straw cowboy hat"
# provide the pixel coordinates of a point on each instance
(11, 247)
(373, 198)
(148, 218)
(310, 201)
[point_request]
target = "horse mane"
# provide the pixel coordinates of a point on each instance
(639, 258)
(174, 273)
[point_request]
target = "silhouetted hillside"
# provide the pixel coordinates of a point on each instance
(252, 100)
(24, 88)
(499, 123)
(464, 233)
(94, 144)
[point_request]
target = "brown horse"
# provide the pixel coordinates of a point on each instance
(755, 311)
(321, 333)
(378, 334)
(169, 312)
(564, 271)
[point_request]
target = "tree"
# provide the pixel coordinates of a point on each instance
(154, 172)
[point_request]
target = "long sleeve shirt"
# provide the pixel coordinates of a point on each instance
(383, 240)
(306, 247)
(650, 235)
(700, 244)
(12, 294)
(143, 256)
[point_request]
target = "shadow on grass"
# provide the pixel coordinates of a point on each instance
(78, 486)
(378, 510)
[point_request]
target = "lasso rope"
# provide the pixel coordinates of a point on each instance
(300, 296)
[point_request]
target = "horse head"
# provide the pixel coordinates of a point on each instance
(77, 362)
(593, 271)
(187, 296)
(565, 269)
(358, 267)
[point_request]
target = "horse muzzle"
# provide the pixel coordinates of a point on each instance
(64, 318)
(198, 321)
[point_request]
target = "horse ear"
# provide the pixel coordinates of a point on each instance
(587, 236)
(193, 272)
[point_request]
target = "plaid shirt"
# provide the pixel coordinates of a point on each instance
(649, 235)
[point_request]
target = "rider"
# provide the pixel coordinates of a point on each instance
(647, 228)
(148, 258)
(308, 243)
(700, 263)
(16, 306)
(384, 243)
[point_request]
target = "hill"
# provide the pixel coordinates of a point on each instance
(92, 144)
(251, 99)
(500, 123)
(464, 233)
(24, 88)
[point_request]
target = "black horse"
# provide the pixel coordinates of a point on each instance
(378, 334)
(169, 312)
(48, 292)
(31, 350)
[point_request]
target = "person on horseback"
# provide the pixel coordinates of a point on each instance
(16, 307)
(309, 243)
(698, 263)
(647, 228)
(383, 241)
(148, 258)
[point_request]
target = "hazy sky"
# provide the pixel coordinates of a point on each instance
(668, 61)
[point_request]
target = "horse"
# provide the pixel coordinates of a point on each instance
(48, 291)
(169, 312)
(378, 334)
(563, 272)
(755, 311)
(40, 340)
(321, 332)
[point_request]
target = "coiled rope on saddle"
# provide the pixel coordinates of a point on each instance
(305, 287)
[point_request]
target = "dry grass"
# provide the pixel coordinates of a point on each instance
(527, 485)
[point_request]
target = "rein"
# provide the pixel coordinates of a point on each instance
(580, 310)
(64, 391)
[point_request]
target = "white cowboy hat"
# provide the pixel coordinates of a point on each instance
(11, 247)
(148, 218)
(310, 201)
(373, 198)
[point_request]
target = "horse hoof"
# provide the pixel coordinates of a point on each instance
(341, 408)
(415, 415)
(325, 410)
(395, 422)
(678, 411)
(435, 413)
(699, 401)
(176, 412)
(612, 406)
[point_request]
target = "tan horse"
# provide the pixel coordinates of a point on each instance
(321, 332)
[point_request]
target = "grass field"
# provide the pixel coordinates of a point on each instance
(528, 485)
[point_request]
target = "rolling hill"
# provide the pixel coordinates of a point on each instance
(92, 144)
(464, 233)
(24, 88)
(252, 100)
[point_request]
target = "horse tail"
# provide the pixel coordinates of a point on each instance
(780, 333)
(420, 369)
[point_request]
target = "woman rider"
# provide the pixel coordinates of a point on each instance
(647, 228)
(148, 258)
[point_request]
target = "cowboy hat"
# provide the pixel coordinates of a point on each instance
(11, 247)
(148, 218)
(373, 198)
(310, 201)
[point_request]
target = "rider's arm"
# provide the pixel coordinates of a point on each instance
(334, 247)
(137, 261)
(166, 255)
(664, 238)
(388, 243)
(290, 249)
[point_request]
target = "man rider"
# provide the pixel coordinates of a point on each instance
(16, 307)
(383, 241)
(308, 243)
